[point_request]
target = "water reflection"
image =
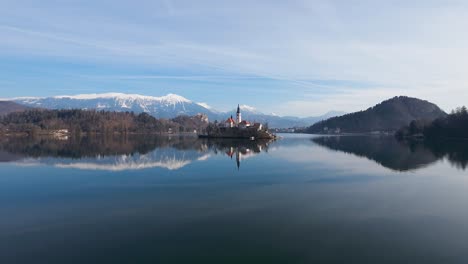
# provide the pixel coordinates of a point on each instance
(293, 201)
(175, 152)
(399, 155)
(239, 148)
(125, 153)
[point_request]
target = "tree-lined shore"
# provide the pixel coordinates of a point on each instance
(454, 125)
(77, 122)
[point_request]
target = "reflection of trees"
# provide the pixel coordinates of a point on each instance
(399, 155)
(95, 146)
(456, 151)
(89, 147)
(384, 150)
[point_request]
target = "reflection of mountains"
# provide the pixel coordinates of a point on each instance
(396, 155)
(119, 153)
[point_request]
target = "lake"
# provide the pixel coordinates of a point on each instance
(300, 199)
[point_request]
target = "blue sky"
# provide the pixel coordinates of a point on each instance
(288, 57)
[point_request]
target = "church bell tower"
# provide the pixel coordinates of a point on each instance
(239, 116)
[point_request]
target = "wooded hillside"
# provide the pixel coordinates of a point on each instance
(99, 122)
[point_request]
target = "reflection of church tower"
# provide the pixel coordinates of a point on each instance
(239, 117)
(238, 158)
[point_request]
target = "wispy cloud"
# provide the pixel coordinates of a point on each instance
(381, 49)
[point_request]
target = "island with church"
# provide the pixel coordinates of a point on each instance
(237, 128)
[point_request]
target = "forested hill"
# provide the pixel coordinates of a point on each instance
(7, 107)
(39, 121)
(390, 115)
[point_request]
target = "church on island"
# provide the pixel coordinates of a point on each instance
(239, 123)
(237, 128)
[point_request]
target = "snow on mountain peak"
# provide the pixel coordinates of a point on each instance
(169, 98)
(174, 99)
(168, 105)
(205, 105)
(248, 108)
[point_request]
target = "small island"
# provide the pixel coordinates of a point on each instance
(237, 128)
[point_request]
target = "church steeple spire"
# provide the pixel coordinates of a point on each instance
(238, 117)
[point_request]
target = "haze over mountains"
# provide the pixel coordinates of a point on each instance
(168, 106)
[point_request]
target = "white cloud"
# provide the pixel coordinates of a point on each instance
(415, 48)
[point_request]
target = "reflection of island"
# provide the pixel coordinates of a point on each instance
(240, 149)
(122, 153)
(395, 155)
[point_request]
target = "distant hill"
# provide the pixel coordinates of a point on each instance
(390, 115)
(7, 107)
(168, 106)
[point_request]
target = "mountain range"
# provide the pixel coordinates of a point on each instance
(389, 116)
(168, 106)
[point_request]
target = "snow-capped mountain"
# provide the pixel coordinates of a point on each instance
(168, 106)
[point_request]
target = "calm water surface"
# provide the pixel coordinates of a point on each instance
(301, 199)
